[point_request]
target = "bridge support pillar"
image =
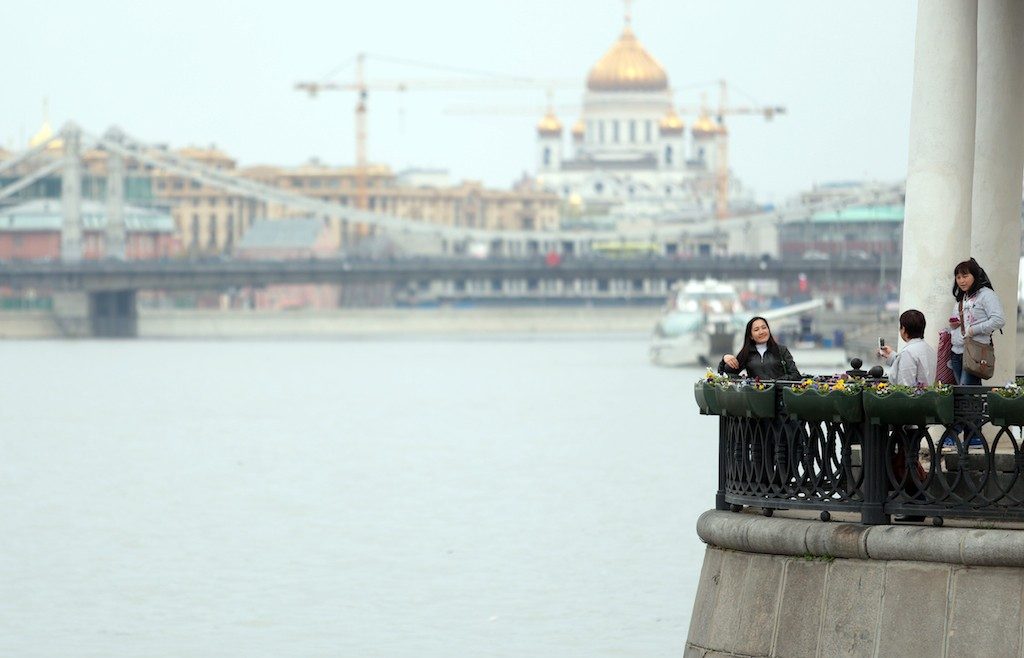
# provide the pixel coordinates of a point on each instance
(113, 314)
(106, 314)
(71, 195)
(71, 314)
(115, 233)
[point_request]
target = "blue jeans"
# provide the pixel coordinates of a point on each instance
(963, 377)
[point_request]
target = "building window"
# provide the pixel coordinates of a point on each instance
(632, 131)
(547, 156)
(615, 132)
(600, 131)
(598, 187)
(668, 155)
(647, 131)
(195, 231)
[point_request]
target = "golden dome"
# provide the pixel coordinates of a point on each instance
(671, 123)
(44, 133)
(705, 125)
(627, 66)
(549, 125)
(578, 129)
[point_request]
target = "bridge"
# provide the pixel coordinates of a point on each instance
(98, 298)
(100, 276)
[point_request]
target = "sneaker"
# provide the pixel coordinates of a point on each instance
(976, 442)
(908, 518)
(949, 443)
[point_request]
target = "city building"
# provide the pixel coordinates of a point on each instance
(629, 146)
(32, 230)
(289, 239)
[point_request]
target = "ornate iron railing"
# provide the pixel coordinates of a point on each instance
(968, 468)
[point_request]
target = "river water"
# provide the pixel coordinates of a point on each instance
(519, 496)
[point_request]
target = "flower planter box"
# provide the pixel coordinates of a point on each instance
(747, 402)
(815, 406)
(707, 398)
(898, 408)
(1005, 411)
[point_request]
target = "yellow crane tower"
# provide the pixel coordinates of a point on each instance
(721, 174)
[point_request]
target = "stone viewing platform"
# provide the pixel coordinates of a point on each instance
(797, 587)
(803, 556)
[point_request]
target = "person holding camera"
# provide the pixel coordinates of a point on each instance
(977, 315)
(915, 363)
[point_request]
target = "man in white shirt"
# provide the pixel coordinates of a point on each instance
(915, 363)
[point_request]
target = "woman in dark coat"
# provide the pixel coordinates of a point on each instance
(760, 356)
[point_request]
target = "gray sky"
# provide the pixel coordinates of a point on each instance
(202, 72)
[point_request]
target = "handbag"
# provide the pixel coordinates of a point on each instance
(943, 373)
(979, 358)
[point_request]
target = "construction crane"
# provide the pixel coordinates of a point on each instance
(722, 140)
(362, 88)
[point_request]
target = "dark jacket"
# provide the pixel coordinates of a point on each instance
(767, 367)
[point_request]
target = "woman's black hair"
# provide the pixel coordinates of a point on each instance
(750, 347)
(981, 279)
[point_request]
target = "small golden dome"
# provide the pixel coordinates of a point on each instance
(671, 123)
(44, 133)
(705, 125)
(549, 125)
(578, 129)
(627, 66)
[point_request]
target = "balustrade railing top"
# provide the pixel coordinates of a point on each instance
(955, 453)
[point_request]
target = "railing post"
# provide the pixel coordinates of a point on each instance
(723, 460)
(873, 462)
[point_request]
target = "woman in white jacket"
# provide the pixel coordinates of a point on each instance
(982, 314)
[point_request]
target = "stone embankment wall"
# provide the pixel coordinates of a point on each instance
(790, 587)
(199, 324)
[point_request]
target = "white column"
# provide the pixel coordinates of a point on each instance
(940, 166)
(999, 163)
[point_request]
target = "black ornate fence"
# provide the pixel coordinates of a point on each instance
(969, 468)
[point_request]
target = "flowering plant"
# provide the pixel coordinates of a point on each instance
(825, 385)
(1011, 390)
(755, 384)
(882, 389)
(713, 378)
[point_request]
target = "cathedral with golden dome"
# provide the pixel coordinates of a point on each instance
(629, 147)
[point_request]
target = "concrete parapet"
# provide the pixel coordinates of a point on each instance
(791, 587)
(780, 536)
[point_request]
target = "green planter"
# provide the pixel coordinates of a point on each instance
(1005, 411)
(746, 402)
(707, 398)
(814, 406)
(898, 408)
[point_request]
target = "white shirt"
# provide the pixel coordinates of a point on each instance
(914, 364)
